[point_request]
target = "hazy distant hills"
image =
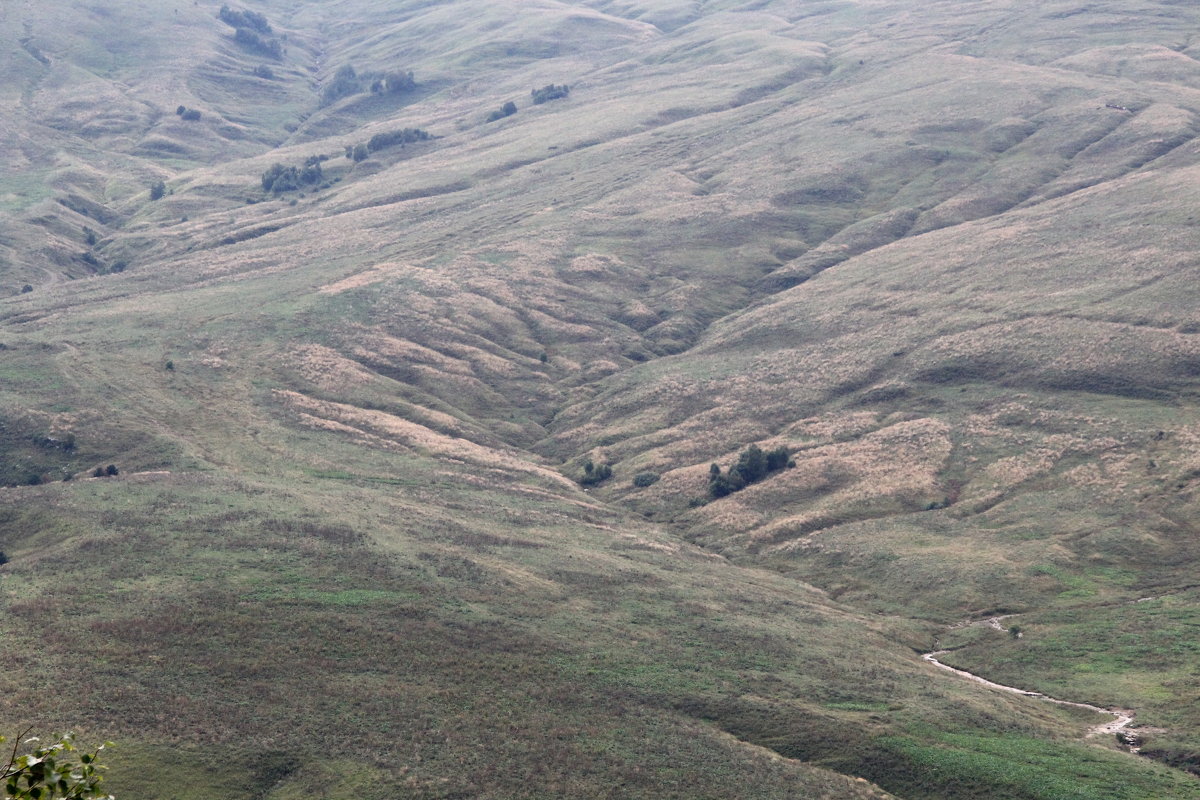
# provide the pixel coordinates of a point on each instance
(943, 253)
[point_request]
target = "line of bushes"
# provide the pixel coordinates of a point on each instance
(381, 141)
(549, 92)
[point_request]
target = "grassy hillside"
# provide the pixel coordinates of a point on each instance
(943, 254)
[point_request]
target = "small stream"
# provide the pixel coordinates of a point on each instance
(1121, 718)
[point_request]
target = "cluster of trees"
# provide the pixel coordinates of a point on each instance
(386, 139)
(506, 110)
(753, 465)
(595, 473)
(549, 92)
(347, 81)
(280, 178)
(252, 31)
(190, 114)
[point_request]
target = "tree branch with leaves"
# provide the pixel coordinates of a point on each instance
(50, 772)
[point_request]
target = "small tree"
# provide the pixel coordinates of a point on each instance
(111, 470)
(157, 190)
(48, 773)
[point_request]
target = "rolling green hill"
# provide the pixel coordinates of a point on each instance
(943, 253)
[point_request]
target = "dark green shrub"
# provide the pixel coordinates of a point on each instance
(170, 366)
(157, 190)
(191, 115)
(644, 479)
(263, 71)
(180, 110)
(777, 458)
(3, 558)
(98, 472)
(89, 236)
(111, 470)
(391, 82)
(271, 175)
(396, 82)
(506, 110)
(345, 83)
(719, 487)
(549, 92)
(400, 137)
(310, 174)
(252, 41)
(26, 289)
(279, 178)
(752, 464)
(244, 19)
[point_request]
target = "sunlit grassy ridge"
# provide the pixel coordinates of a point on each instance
(942, 253)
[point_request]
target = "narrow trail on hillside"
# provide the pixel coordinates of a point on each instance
(1122, 718)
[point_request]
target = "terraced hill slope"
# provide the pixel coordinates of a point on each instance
(941, 252)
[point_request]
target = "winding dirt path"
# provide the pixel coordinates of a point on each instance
(1122, 718)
